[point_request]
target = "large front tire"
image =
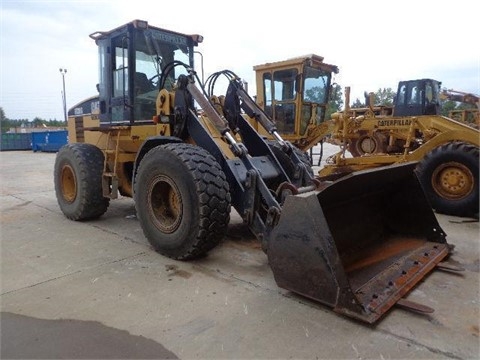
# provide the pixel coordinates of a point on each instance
(449, 176)
(78, 181)
(182, 200)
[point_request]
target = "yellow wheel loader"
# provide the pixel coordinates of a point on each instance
(358, 245)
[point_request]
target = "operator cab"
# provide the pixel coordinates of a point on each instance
(134, 60)
(417, 97)
(295, 92)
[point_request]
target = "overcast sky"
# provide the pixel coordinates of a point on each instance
(375, 44)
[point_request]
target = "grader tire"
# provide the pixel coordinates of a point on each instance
(78, 181)
(449, 176)
(182, 200)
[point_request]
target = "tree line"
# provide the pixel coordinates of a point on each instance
(382, 97)
(8, 124)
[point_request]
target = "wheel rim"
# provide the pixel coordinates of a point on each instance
(165, 204)
(367, 145)
(68, 184)
(452, 180)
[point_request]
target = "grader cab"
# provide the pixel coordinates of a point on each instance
(186, 161)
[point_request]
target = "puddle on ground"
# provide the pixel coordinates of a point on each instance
(24, 337)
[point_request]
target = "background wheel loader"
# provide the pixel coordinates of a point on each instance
(358, 245)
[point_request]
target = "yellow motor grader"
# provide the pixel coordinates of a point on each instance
(412, 130)
(358, 244)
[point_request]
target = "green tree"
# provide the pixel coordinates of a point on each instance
(3, 121)
(447, 106)
(38, 122)
(318, 94)
(8, 124)
(385, 97)
(56, 123)
(357, 104)
(382, 97)
(336, 101)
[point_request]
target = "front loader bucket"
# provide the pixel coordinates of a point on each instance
(360, 244)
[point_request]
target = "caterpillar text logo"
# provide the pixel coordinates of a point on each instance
(394, 122)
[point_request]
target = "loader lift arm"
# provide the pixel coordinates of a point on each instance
(238, 99)
(257, 204)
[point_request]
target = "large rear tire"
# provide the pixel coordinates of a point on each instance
(182, 200)
(78, 181)
(449, 176)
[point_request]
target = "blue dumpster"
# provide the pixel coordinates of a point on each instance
(16, 141)
(49, 141)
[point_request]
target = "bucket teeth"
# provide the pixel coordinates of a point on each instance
(359, 245)
(414, 306)
(450, 267)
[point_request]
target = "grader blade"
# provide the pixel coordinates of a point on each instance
(360, 244)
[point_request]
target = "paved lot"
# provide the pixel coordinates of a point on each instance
(97, 290)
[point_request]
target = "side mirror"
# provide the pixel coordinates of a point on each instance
(333, 92)
(103, 107)
(298, 81)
